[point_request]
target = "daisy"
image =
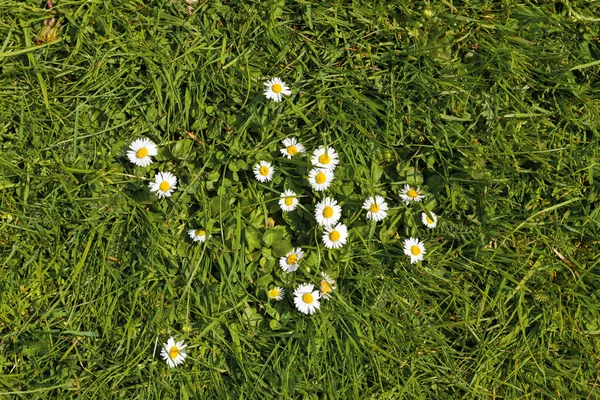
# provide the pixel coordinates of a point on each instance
(172, 352)
(327, 286)
(288, 201)
(276, 293)
(429, 222)
(276, 88)
(335, 237)
(164, 184)
(409, 194)
(327, 212)
(376, 208)
(325, 157)
(320, 179)
(306, 299)
(198, 235)
(264, 171)
(140, 152)
(292, 147)
(289, 263)
(415, 249)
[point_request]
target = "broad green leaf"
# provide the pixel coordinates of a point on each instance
(273, 235)
(281, 247)
(253, 238)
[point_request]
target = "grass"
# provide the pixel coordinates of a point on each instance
(491, 107)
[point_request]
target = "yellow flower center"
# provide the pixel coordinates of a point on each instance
(308, 298)
(412, 193)
(415, 250)
(264, 170)
(289, 201)
(374, 208)
(292, 258)
(174, 352)
(320, 178)
(324, 159)
(277, 88)
(328, 212)
(429, 220)
(164, 186)
(334, 236)
(292, 150)
(326, 287)
(141, 153)
(200, 232)
(273, 293)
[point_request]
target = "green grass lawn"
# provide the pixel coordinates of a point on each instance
(491, 108)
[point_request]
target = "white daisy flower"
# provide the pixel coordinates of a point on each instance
(264, 171)
(140, 151)
(335, 237)
(276, 293)
(289, 263)
(325, 157)
(328, 212)
(376, 208)
(276, 88)
(327, 286)
(292, 147)
(306, 299)
(320, 179)
(173, 352)
(415, 249)
(198, 235)
(429, 222)
(409, 194)
(164, 184)
(288, 201)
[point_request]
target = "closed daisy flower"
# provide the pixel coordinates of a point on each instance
(140, 151)
(376, 208)
(306, 298)
(408, 194)
(415, 249)
(288, 201)
(292, 147)
(320, 179)
(264, 171)
(276, 293)
(164, 184)
(276, 89)
(198, 235)
(173, 352)
(325, 157)
(327, 286)
(429, 222)
(328, 212)
(335, 237)
(289, 263)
